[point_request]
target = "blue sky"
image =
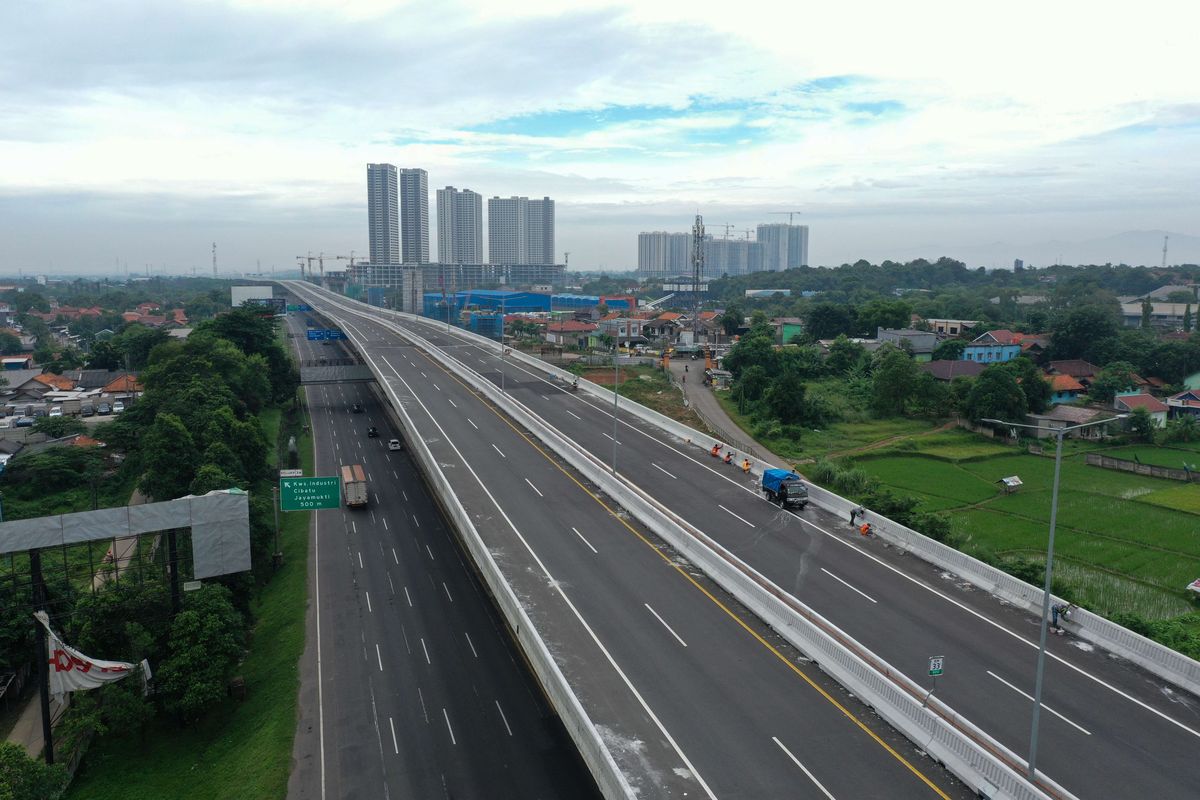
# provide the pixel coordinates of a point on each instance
(929, 128)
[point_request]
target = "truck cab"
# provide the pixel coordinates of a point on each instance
(785, 488)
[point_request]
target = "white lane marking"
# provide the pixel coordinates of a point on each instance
(402, 491)
(618, 441)
(585, 541)
(427, 550)
(426, 649)
(498, 450)
(408, 597)
(395, 557)
(424, 712)
(368, 594)
(389, 458)
(660, 469)
(506, 726)
(417, 521)
(379, 657)
(803, 768)
(392, 585)
(531, 486)
(447, 588)
(473, 425)
(573, 414)
(385, 525)
(1029, 697)
(447, 716)
(665, 625)
(320, 681)
(354, 525)
(848, 586)
(360, 566)
(743, 519)
(373, 513)
(452, 402)
(558, 588)
(472, 644)
(436, 386)
(395, 744)
(423, 375)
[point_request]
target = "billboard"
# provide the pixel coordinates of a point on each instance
(240, 294)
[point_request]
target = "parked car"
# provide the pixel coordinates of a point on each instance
(87, 411)
(103, 408)
(356, 408)
(56, 411)
(118, 407)
(39, 412)
(23, 422)
(5, 423)
(394, 444)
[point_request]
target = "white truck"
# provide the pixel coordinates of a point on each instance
(354, 485)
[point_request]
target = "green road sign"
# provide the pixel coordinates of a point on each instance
(309, 494)
(935, 665)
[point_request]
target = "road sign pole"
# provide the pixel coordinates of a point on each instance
(277, 558)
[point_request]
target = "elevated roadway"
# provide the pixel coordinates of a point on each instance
(1109, 729)
(693, 696)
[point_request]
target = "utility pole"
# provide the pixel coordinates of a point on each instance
(1165, 238)
(214, 259)
(43, 659)
(697, 271)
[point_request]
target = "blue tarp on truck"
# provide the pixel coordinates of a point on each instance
(784, 487)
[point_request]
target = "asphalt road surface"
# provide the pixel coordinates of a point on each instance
(1108, 728)
(742, 714)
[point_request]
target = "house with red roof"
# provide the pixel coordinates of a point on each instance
(1064, 388)
(570, 333)
(1156, 408)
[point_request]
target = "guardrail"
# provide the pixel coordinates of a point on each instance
(1157, 659)
(982, 762)
(582, 731)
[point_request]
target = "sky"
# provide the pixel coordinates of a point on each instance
(137, 132)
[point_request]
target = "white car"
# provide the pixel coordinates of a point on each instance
(118, 407)
(394, 444)
(56, 411)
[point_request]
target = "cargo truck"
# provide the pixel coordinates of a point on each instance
(785, 488)
(354, 485)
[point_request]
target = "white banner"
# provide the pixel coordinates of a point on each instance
(72, 671)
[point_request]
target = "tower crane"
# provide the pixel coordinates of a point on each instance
(309, 258)
(791, 215)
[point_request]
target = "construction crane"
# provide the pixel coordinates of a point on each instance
(728, 226)
(567, 258)
(309, 258)
(791, 215)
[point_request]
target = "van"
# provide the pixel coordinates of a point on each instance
(56, 411)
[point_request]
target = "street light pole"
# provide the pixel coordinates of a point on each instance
(1049, 579)
(616, 394)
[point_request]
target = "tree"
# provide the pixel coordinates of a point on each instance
(1141, 425)
(751, 383)
(169, 456)
(996, 395)
(1181, 296)
(105, 355)
(25, 778)
(893, 382)
(949, 350)
(1114, 378)
(785, 399)
(829, 320)
(1147, 313)
(9, 343)
(1187, 319)
(206, 640)
(883, 314)
(844, 355)
(731, 318)
(1034, 386)
(1086, 332)
(1183, 429)
(58, 427)
(210, 477)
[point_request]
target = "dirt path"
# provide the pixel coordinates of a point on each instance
(890, 440)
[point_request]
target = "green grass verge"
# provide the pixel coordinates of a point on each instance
(1173, 457)
(650, 387)
(243, 750)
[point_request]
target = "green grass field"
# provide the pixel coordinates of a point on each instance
(1126, 542)
(243, 750)
(1159, 456)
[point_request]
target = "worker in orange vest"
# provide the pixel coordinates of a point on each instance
(716, 451)
(728, 456)
(746, 465)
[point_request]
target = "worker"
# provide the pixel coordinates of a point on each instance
(728, 456)
(865, 530)
(716, 451)
(746, 465)
(575, 383)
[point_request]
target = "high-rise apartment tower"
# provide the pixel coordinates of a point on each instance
(783, 246)
(414, 216)
(520, 230)
(460, 226)
(383, 222)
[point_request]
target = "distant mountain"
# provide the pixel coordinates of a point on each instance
(1139, 248)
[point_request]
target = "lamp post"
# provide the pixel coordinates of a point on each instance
(1060, 434)
(616, 394)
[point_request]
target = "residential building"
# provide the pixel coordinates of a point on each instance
(993, 347)
(919, 343)
(1186, 402)
(383, 214)
(570, 333)
(460, 226)
(520, 230)
(414, 216)
(1064, 388)
(784, 246)
(454, 277)
(946, 370)
(951, 327)
(1077, 368)
(1156, 408)
(1061, 417)
(625, 331)
(787, 328)
(664, 255)
(1162, 315)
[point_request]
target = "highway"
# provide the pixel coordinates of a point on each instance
(1108, 728)
(421, 695)
(694, 697)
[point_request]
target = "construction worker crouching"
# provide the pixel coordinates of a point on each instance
(716, 451)
(728, 456)
(746, 466)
